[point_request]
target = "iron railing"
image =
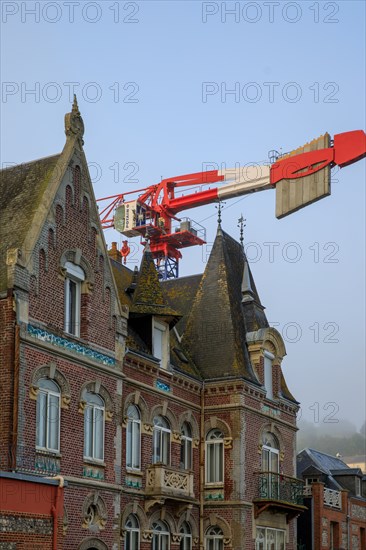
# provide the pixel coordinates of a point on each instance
(278, 487)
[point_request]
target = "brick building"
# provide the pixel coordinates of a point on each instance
(162, 405)
(335, 496)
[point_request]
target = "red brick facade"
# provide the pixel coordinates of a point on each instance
(100, 495)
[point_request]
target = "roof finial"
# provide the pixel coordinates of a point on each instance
(241, 224)
(219, 210)
(74, 125)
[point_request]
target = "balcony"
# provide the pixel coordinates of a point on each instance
(166, 482)
(331, 498)
(278, 492)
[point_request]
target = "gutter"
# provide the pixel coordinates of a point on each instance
(55, 509)
(202, 463)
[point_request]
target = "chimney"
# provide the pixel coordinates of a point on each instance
(115, 254)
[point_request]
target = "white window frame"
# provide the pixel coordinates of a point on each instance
(219, 448)
(162, 433)
(186, 448)
(131, 446)
(268, 373)
(273, 455)
(164, 330)
(74, 275)
(161, 538)
(263, 544)
(95, 411)
(49, 422)
(132, 531)
(186, 538)
(214, 539)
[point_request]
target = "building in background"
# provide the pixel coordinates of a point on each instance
(161, 405)
(336, 503)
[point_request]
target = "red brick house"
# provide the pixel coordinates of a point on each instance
(162, 405)
(335, 496)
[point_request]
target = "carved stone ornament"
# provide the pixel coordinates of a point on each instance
(74, 125)
(282, 456)
(260, 447)
(65, 401)
(177, 437)
(81, 408)
(176, 537)
(33, 392)
(196, 443)
(108, 415)
(227, 541)
(147, 535)
(228, 442)
(148, 428)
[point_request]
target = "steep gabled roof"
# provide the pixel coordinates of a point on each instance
(180, 294)
(22, 188)
(215, 334)
(327, 464)
(148, 298)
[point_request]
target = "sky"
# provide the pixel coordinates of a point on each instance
(169, 87)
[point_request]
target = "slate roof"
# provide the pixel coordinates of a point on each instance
(327, 464)
(21, 190)
(215, 332)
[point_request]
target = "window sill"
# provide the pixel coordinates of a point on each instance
(133, 472)
(94, 462)
(48, 452)
(215, 485)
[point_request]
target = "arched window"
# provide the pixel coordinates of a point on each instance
(215, 457)
(94, 426)
(74, 277)
(161, 536)
(186, 447)
(133, 438)
(186, 534)
(132, 530)
(270, 466)
(214, 539)
(161, 440)
(48, 415)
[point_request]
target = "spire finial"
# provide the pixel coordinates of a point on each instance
(219, 210)
(74, 125)
(241, 224)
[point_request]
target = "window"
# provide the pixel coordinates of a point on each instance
(214, 539)
(268, 364)
(161, 440)
(214, 457)
(133, 438)
(269, 539)
(132, 533)
(74, 277)
(48, 415)
(186, 447)
(270, 466)
(161, 538)
(186, 534)
(94, 426)
(357, 487)
(160, 342)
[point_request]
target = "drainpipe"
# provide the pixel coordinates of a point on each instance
(54, 509)
(16, 355)
(202, 463)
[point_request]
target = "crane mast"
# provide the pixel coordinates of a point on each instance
(299, 177)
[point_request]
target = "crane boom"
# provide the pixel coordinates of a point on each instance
(150, 215)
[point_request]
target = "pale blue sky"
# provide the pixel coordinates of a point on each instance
(148, 80)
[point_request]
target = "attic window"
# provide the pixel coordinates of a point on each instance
(160, 342)
(268, 373)
(74, 277)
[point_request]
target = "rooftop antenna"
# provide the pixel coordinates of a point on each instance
(241, 224)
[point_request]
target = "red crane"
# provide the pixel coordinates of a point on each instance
(152, 213)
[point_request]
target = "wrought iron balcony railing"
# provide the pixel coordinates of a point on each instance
(280, 488)
(167, 481)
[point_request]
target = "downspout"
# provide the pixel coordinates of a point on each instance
(202, 463)
(54, 510)
(16, 356)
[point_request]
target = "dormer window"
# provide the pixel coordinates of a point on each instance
(268, 373)
(357, 487)
(74, 277)
(160, 342)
